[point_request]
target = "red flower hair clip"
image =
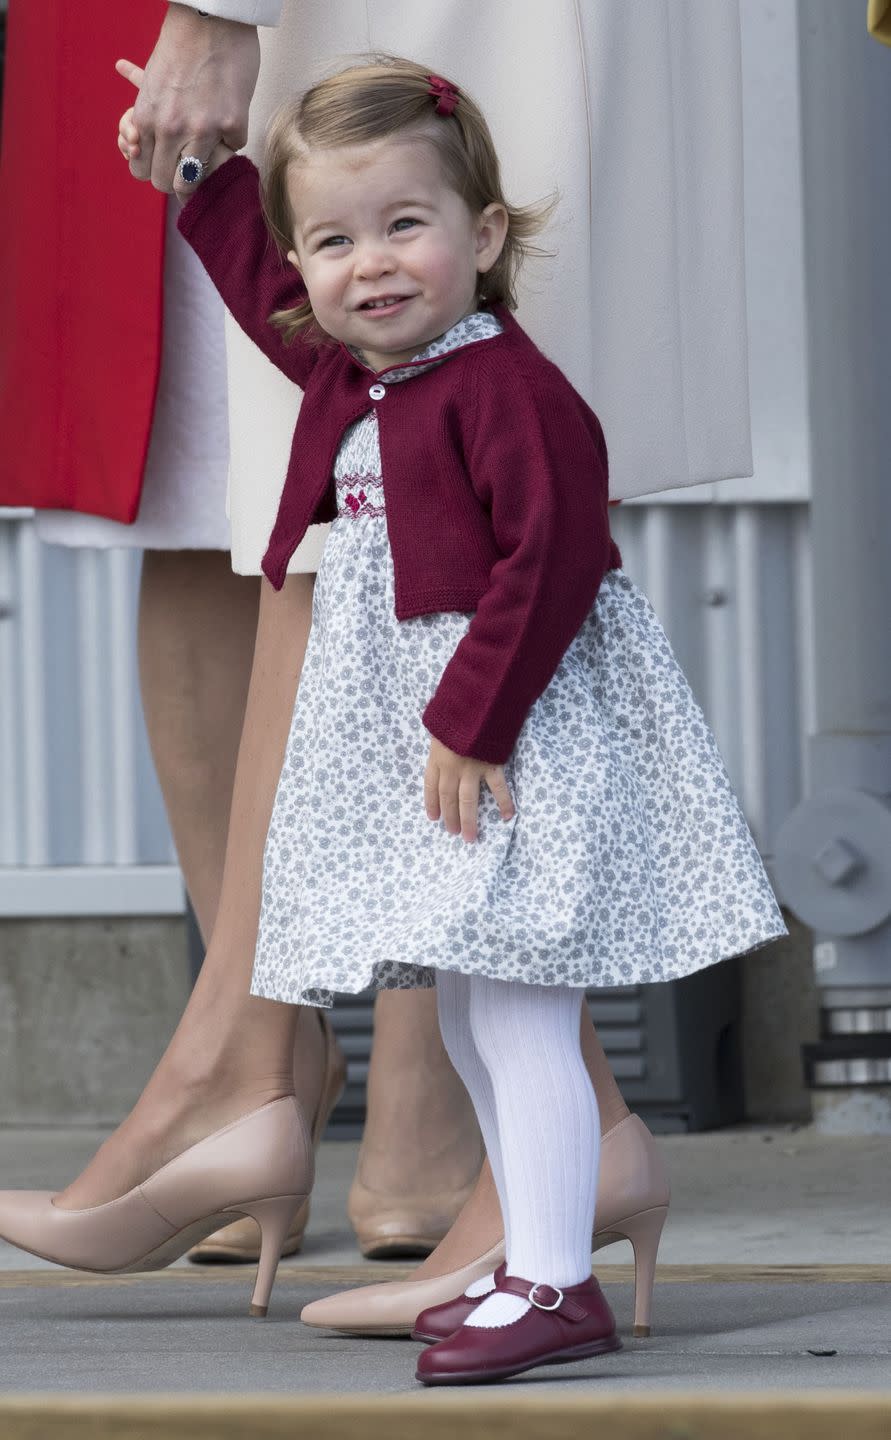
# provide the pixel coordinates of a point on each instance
(444, 93)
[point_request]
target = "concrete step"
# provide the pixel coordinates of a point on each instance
(435, 1416)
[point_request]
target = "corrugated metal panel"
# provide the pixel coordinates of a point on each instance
(78, 783)
(730, 585)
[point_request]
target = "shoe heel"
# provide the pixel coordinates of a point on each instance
(644, 1230)
(274, 1218)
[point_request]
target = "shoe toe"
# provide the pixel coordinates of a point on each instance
(373, 1309)
(332, 1312)
(440, 1361)
(441, 1321)
(21, 1213)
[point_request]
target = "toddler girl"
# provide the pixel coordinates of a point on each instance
(497, 778)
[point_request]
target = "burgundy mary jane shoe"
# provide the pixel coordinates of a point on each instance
(438, 1322)
(562, 1326)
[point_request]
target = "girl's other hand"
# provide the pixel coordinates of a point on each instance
(452, 790)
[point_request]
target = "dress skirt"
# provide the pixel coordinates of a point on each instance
(629, 859)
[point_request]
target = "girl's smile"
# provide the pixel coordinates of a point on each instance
(385, 307)
(389, 253)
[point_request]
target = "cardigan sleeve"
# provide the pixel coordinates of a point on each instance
(544, 481)
(223, 222)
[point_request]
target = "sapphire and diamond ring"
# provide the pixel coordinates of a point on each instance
(190, 169)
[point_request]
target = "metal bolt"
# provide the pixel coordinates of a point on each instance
(838, 862)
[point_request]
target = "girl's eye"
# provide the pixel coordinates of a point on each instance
(334, 240)
(405, 220)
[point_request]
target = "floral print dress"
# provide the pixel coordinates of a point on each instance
(628, 860)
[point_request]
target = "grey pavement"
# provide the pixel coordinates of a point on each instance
(746, 1198)
(180, 1334)
(779, 1196)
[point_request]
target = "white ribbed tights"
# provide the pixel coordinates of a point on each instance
(516, 1048)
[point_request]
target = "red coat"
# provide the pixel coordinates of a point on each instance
(81, 262)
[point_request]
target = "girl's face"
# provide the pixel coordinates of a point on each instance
(388, 252)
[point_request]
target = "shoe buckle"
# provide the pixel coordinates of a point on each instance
(539, 1305)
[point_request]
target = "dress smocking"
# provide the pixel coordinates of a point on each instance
(629, 859)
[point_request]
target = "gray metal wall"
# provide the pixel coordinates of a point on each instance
(730, 584)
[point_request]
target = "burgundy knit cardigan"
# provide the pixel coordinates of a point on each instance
(495, 472)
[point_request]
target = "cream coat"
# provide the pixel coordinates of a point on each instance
(633, 113)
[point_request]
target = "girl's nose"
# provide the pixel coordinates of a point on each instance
(372, 261)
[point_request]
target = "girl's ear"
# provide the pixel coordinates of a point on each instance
(490, 236)
(292, 259)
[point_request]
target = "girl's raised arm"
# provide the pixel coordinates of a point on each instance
(224, 224)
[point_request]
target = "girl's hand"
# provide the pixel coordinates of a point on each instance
(128, 135)
(452, 790)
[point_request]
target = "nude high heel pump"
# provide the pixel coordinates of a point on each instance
(398, 1227)
(644, 1230)
(239, 1243)
(260, 1166)
(633, 1195)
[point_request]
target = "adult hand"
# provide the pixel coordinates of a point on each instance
(196, 91)
(452, 790)
(128, 133)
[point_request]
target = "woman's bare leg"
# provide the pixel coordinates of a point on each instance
(479, 1226)
(421, 1150)
(609, 1097)
(231, 1052)
(197, 628)
(196, 633)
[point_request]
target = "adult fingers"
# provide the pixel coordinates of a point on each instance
(495, 779)
(468, 805)
(134, 73)
(234, 132)
(163, 137)
(198, 148)
(128, 148)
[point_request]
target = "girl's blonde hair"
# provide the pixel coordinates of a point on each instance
(378, 97)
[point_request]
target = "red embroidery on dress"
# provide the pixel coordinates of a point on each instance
(356, 502)
(351, 482)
